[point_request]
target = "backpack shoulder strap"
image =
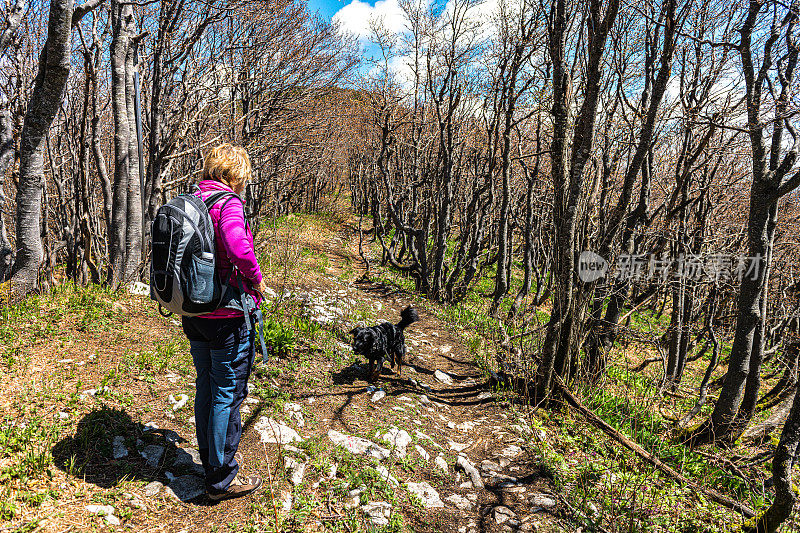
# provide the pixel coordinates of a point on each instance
(216, 197)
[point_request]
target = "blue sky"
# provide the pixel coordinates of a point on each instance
(327, 8)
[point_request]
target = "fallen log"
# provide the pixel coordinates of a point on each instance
(601, 424)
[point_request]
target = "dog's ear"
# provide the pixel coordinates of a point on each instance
(354, 331)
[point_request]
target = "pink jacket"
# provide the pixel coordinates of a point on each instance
(234, 244)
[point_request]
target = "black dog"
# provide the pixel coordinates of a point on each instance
(377, 342)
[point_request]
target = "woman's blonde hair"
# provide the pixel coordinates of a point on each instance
(227, 164)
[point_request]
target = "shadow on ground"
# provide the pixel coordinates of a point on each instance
(89, 453)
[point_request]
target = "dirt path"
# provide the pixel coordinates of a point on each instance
(124, 445)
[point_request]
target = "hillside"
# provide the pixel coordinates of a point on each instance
(98, 434)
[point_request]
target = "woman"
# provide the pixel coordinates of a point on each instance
(221, 344)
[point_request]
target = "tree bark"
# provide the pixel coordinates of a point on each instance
(48, 90)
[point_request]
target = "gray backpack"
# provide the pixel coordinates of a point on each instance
(183, 274)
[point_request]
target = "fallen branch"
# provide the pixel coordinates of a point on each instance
(644, 364)
(598, 422)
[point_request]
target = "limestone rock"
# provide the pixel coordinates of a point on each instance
(295, 469)
(378, 395)
(425, 492)
(459, 501)
(503, 514)
(471, 471)
(377, 512)
(153, 488)
(398, 440)
(119, 450)
(443, 377)
(152, 455)
(441, 465)
(274, 432)
(357, 445)
(540, 502)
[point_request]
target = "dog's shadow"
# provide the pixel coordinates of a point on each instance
(349, 374)
(358, 372)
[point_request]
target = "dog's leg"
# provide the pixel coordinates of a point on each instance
(400, 355)
(375, 367)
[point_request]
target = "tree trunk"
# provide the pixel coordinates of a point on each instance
(120, 43)
(6, 158)
(782, 466)
(51, 80)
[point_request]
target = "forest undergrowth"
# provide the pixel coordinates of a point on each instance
(81, 365)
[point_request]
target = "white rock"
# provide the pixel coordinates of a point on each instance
(490, 466)
(425, 492)
(446, 349)
(459, 501)
(457, 446)
(354, 498)
(386, 475)
(119, 450)
(150, 426)
(443, 377)
(153, 488)
(503, 514)
(421, 451)
(100, 510)
(62, 415)
(295, 468)
(357, 445)
(470, 470)
(295, 413)
(274, 432)
(541, 501)
(286, 501)
(152, 455)
(378, 512)
(511, 451)
(378, 395)
(465, 426)
(398, 440)
(441, 464)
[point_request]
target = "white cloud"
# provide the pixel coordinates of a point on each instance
(356, 17)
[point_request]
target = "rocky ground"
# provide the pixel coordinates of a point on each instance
(433, 449)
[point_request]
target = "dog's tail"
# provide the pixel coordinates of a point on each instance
(407, 317)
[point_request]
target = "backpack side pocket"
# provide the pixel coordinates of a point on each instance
(201, 275)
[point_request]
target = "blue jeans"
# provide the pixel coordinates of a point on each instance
(223, 352)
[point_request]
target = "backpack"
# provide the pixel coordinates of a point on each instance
(183, 277)
(183, 274)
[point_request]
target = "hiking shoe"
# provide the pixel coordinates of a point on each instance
(241, 486)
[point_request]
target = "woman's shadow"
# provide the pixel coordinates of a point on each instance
(109, 447)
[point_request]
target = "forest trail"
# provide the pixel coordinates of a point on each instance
(126, 455)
